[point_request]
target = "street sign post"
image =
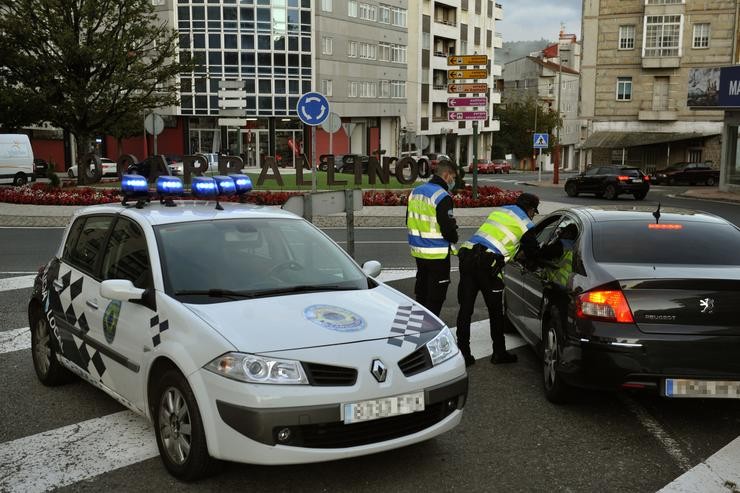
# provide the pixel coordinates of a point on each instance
(154, 124)
(467, 88)
(540, 141)
(332, 125)
(467, 74)
(454, 102)
(313, 109)
(458, 116)
(467, 60)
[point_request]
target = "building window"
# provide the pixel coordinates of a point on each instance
(398, 54)
(701, 35)
(663, 2)
(385, 14)
(327, 88)
(426, 41)
(352, 8)
(328, 48)
(368, 12)
(158, 2)
(385, 88)
(626, 37)
(326, 5)
(662, 35)
(352, 49)
(464, 47)
(399, 16)
(368, 51)
(624, 88)
(363, 89)
(398, 89)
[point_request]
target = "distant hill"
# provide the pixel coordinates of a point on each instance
(518, 49)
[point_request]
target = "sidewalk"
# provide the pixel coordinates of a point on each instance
(711, 194)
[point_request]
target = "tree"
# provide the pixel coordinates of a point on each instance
(83, 65)
(517, 127)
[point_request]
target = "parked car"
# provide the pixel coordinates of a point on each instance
(644, 300)
(501, 166)
(609, 182)
(432, 159)
(346, 163)
(110, 168)
(40, 167)
(691, 173)
(175, 164)
(16, 159)
(275, 347)
(484, 167)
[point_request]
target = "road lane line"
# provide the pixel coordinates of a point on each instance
(18, 273)
(719, 473)
(15, 340)
(20, 282)
(670, 445)
(73, 453)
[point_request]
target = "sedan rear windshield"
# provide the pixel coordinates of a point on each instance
(642, 242)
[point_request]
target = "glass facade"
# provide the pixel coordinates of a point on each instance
(250, 40)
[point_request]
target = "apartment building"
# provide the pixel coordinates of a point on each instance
(437, 29)
(637, 55)
(555, 87)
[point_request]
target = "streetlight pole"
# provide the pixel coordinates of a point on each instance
(556, 167)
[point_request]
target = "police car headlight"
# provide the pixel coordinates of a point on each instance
(257, 369)
(442, 347)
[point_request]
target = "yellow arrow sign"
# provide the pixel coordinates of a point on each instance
(467, 60)
(467, 74)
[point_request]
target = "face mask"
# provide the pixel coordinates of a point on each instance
(451, 183)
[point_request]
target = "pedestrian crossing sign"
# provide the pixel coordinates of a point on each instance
(541, 141)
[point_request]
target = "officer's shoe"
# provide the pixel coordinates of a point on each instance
(505, 357)
(469, 359)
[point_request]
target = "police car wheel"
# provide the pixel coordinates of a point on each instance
(179, 429)
(45, 363)
(556, 390)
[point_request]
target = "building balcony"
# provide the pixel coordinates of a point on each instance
(449, 3)
(658, 111)
(498, 12)
(498, 40)
(496, 70)
(661, 61)
(444, 30)
(439, 61)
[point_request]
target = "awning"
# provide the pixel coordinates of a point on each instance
(620, 140)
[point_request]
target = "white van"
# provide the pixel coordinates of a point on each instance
(16, 159)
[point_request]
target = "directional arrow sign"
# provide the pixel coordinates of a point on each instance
(453, 102)
(467, 88)
(313, 108)
(454, 116)
(467, 60)
(467, 74)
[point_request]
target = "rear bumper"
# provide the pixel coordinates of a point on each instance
(633, 188)
(615, 355)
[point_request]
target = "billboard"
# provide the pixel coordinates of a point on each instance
(714, 88)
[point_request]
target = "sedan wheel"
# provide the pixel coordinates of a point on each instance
(71, 173)
(610, 192)
(571, 190)
(710, 181)
(179, 428)
(556, 390)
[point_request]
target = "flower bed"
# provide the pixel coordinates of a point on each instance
(42, 194)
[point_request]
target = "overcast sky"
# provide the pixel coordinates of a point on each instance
(526, 20)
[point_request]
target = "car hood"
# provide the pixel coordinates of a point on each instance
(319, 319)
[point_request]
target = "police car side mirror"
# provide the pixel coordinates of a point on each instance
(121, 290)
(372, 268)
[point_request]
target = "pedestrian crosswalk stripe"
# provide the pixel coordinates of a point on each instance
(15, 340)
(18, 282)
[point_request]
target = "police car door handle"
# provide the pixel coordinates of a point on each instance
(93, 303)
(58, 285)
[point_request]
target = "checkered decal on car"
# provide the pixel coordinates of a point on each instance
(412, 324)
(157, 327)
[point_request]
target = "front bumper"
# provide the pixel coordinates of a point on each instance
(617, 355)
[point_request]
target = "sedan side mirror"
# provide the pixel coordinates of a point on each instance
(121, 290)
(372, 268)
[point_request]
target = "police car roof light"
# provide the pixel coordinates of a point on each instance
(226, 185)
(134, 185)
(243, 183)
(169, 185)
(203, 187)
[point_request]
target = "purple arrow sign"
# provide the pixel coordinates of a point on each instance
(454, 116)
(453, 102)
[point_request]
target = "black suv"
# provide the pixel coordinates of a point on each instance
(609, 182)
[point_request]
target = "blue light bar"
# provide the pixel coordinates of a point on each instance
(203, 186)
(169, 185)
(243, 183)
(226, 185)
(134, 185)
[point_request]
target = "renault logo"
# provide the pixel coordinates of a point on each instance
(379, 370)
(706, 305)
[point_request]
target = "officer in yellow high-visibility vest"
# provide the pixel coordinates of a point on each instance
(432, 234)
(482, 259)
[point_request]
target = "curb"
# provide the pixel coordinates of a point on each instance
(724, 200)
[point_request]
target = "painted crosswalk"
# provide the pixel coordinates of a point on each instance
(17, 282)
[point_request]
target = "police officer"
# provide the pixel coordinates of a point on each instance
(482, 259)
(432, 233)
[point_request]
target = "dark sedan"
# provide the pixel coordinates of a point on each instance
(632, 298)
(609, 182)
(691, 173)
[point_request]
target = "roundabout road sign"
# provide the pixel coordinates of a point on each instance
(313, 108)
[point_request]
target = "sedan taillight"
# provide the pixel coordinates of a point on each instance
(604, 305)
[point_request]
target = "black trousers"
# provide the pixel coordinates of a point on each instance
(478, 274)
(432, 281)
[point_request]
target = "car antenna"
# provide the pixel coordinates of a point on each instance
(656, 214)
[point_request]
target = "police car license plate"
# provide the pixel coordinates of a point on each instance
(702, 388)
(383, 408)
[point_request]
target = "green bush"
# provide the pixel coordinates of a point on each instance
(54, 180)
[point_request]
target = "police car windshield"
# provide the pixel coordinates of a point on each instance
(212, 261)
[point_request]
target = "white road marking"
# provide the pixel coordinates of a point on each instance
(388, 275)
(17, 273)
(15, 340)
(670, 445)
(76, 452)
(20, 282)
(719, 473)
(480, 340)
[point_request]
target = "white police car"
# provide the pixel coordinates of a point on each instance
(244, 333)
